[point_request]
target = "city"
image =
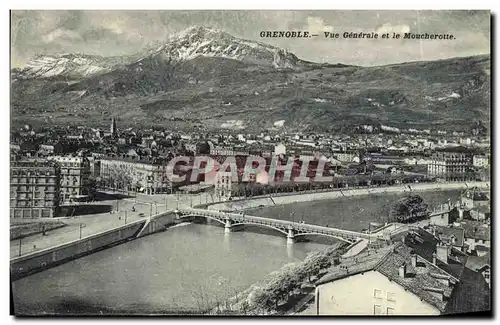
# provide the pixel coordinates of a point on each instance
(118, 209)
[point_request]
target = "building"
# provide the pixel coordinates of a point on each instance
(124, 173)
(477, 237)
(471, 292)
(474, 198)
(347, 156)
(450, 235)
(113, 129)
(34, 189)
(480, 213)
(481, 264)
(481, 161)
(75, 178)
(391, 281)
(279, 149)
(223, 185)
(451, 164)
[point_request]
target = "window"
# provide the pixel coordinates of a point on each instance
(391, 296)
(377, 293)
(390, 311)
(377, 310)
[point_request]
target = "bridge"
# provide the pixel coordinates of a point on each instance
(292, 230)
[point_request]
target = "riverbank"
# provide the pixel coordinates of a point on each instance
(289, 198)
(283, 289)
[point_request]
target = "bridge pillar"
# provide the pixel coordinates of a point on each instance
(290, 239)
(228, 226)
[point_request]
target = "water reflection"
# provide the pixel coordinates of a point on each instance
(203, 266)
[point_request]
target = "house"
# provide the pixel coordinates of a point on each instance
(480, 213)
(481, 264)
(450, 235)
(391, 281)
(477, 237)
(480, 161)
(280, 149)
(474, 197)
(446, 218)
(472, 293)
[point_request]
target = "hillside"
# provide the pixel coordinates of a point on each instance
(204, 78)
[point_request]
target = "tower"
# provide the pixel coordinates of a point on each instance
(113, 126)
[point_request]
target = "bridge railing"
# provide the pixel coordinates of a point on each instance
(275, 222)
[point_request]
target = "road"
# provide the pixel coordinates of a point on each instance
(96, 223)
(146, 204)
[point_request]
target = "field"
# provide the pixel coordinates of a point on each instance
(349, 213)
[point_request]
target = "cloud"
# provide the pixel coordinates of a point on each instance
(63, 35)
(316, 25)
(389, 28)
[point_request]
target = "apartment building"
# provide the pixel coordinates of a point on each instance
(34, 189)
(223, 185)
(148, 176)
(450, 164)
(75, 178)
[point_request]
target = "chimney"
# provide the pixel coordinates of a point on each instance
(434, 258)
(453, 240)
(442, 252)
(402, 270)
(403, 239)
(413, 259)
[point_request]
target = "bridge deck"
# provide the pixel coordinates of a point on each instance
(298, 227)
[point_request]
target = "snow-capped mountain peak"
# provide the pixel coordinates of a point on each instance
(72, 65)
(202, 41)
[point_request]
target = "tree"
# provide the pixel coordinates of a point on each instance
(314, 262)
(408, 209)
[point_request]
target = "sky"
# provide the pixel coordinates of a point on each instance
(110, 33)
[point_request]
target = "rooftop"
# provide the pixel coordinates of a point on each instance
(445, 234)
(424, 280)
(476, 230)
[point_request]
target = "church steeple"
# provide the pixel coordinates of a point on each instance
(113, 126)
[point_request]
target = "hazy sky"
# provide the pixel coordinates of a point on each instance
(127, 32)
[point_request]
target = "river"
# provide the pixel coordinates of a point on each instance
(188, 268)
(192, 267)
(352, 213)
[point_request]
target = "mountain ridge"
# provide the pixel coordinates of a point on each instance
(216, 77)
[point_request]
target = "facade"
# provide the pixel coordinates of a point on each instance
(347, 157)
(390, 281)
(34, 189)
(279, 149)
(75, 178)
(450, 165)
(223, 185)
(474, 198)
(146, 176)
(477, 237)
(227, 151)
(481, 161)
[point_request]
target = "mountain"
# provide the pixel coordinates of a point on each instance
(207, 42)
(71, 66)
(206, 78)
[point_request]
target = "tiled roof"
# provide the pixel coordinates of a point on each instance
(422, 280)
(445, 233)
(360, 263)
(477, 262)
(476, 230)
(424, 244)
